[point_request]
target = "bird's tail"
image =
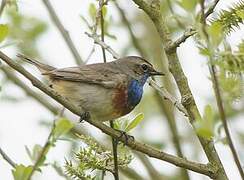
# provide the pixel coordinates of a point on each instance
(42, 67)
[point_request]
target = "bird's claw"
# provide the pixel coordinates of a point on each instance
(85, 116)
(127, 137)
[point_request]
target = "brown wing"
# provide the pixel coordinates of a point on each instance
(93, 74)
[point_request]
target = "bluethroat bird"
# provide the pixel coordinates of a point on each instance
(104, 91)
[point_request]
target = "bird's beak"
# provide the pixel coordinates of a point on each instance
(156, 73)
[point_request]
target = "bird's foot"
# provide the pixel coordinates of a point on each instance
(85, 116)
(127, 137)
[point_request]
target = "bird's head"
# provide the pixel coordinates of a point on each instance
(137, 68)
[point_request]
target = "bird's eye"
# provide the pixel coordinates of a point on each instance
(144, 67)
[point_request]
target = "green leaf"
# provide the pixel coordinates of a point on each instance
(13, 4)
(204, 131)
(62, 127)
(208, 114)
(188, 5)
(92, 10)
(216, 33)
(34, 155)
(134, 122)
(240, 13)
(204, 51)
(19, 31)
(121, 123)
(3, 31)
(104, 11)
(205, 126)
(117, 124)
(22, 172)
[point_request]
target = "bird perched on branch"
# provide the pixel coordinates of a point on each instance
(103, 91)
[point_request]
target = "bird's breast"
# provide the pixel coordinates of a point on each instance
(135, 91)
(120, 100)
(127, 97)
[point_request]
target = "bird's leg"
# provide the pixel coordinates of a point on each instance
(127, 137)
(85, 116)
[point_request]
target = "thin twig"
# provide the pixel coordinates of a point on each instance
(224, 120)
(176, 137)
(99, 17)
(105, 2)
(154, 174)
(218, 93)
(188, 33)
(115, 154)
(180, 24)
(131, 173)
(202, 15)
(7, 158)
(134, 40)
(43, 152)
(3, 4)
(114, 141)
(133, 144)
(166, 95)
(87, 23)
(89, 55)
(102, 29)
(96, 39)
(46, 147)
(63, 31)
(211, 9)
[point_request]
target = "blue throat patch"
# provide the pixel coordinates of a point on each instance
(135, 91)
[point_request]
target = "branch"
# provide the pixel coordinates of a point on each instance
(96, 39)
(171, 47)
(133, 144)
(43, 152)
(211, 9)
(77, 129)
(46, 147)
(154, 174)
(131, 173)
(188, 33)
(167, 110)
(218, 94)
(100, 12)
(217, 91)
(63, 31)
(99, 17)
(11, 76)
(154, 13)
(167, 96)
(135, 41)
(3, 4)
(180, 24)
(7, 158)
(224, 120)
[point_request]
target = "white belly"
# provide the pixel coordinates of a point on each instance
(91, 98)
